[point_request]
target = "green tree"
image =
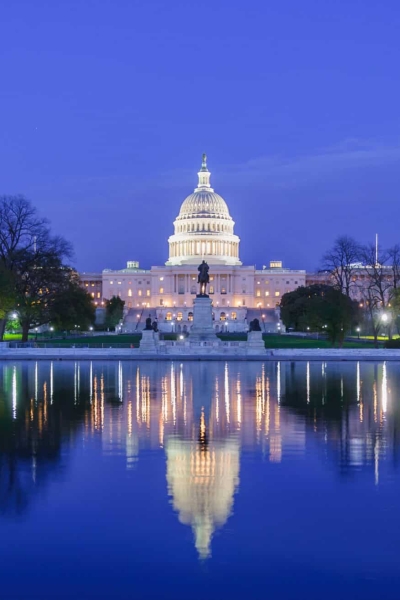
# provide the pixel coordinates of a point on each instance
(114, 312)
(74, 308)
(320, 308)
(7, 297)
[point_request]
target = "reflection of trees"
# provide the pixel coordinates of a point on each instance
(32, 428)
(350, 407)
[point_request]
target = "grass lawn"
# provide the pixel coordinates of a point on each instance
(271, 341)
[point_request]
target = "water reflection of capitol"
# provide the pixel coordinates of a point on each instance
(203, 416)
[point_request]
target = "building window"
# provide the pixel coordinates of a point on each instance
(266, 281)
(190, 316)
(111, 282)
(161, 290)
(211, 289)
(119, 282)
(147, 292)
(277, 293)
(130, 293)
(287, 283)
(179, 316)
(193, 289)
(223, 290)
(267, 293)
(161, 278)
(161, 302)
(296, 282)
(92, 294)
(98, 294)
(129, 304)
(139, 292)
(92, 284)
(86, 285)
(222, 317)
(168, 316)
(258, 293)
(234, 316)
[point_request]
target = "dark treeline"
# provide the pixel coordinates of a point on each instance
(37, 281)
(359, 289)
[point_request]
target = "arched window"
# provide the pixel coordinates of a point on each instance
(190, 316)
(234, 316)
(168, 316)
(222, 317)
(179, 316)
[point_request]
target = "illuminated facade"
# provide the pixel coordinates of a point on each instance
(203, 230)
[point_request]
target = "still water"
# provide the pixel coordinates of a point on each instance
(199, 480)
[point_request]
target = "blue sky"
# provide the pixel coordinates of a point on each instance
(106, 108)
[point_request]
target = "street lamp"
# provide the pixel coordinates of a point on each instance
(358, 332)
(51, 331)
(385, 320)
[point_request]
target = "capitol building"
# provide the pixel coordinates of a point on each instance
(203, 230)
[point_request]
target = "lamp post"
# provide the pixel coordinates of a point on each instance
(385, 320)
(263, 320)
(358, 332)
(51, 331)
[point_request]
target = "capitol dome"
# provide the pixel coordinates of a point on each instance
(204, 228)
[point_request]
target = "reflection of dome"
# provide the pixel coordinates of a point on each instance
(204, 228)
(202, 482)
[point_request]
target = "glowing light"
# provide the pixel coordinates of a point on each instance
(14, 393)
(384, 388)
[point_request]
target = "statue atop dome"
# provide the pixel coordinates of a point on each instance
(203, 278)
(204, 162)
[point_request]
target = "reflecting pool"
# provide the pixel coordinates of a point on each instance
(198, 480)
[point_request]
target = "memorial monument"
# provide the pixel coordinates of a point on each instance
(202, 329)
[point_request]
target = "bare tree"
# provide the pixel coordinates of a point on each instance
(376, 286)
(393, 255)
(342, 261)
(33, 258)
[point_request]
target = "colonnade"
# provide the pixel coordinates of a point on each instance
(204, 248)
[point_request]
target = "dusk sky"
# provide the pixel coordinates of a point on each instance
(108, 105)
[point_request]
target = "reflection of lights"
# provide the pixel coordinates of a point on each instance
(173, 393)
(384, 388)
(278, 382)
(308, 382)
(239, 401)
(36, 382)
(91, 382)
(216, 400)
(376, 461)
(14, 392)
(226, 386)
(120, 382)
(359, 401)
(51, 382)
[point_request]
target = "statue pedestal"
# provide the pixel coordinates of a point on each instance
(202, 329)
(255, 343)
(149, 342)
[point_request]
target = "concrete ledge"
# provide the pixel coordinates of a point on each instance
(205, 355)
